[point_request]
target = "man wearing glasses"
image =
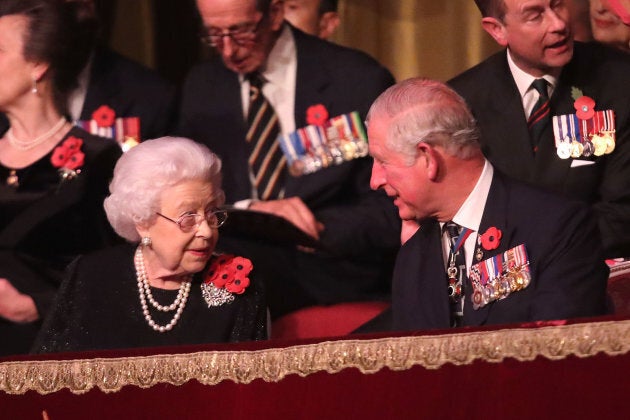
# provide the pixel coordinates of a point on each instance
(297, 74)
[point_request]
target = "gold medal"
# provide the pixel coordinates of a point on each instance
(576, 149)
(610, 141)
(600, 145)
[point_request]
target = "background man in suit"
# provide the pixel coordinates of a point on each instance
(356, 228)
(501, 93)
(315, 17)
(426, 152)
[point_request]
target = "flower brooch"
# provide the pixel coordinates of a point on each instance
(226, 277)
(489, 240)
(316, 114)
(68, 158)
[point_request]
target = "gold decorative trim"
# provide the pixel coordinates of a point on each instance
(273, 364)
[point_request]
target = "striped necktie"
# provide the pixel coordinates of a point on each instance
(539, 119)
(266, 161)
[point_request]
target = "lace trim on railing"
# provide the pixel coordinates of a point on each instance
(272, 365)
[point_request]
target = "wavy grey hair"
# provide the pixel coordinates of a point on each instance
(146, 170)
(424, 110)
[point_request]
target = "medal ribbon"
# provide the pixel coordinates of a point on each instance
(463, 235)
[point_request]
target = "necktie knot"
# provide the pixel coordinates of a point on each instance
(541, 85)
(452, 229)
(256, 82)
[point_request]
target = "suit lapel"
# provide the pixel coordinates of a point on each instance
(494, 215)
(311, 79)
(420, 299)
(505, 139)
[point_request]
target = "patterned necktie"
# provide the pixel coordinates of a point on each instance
(539, 117)
(456, 271)
(267, 163)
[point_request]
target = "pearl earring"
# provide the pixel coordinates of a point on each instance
(146, 241)
(34, 89)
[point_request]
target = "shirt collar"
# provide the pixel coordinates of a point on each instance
(470, 213)
(524, 80)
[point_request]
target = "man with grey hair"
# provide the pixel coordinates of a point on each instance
(484, 249)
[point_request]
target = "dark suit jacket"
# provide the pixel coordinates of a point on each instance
(131, 90)
(360, 223)
(567, 269)
(45, 224)
(600, 73)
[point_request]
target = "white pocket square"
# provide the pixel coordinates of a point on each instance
(579, 162)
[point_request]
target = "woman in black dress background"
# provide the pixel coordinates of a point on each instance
(53, 177)
(167, 286)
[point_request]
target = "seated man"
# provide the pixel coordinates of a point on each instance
(486, 249)
(268, 78)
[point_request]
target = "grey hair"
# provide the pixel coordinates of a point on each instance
(143, 172)
(424, 110)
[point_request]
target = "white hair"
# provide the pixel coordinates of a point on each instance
(424, 110)
(146, 170)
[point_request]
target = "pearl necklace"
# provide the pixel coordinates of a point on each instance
(30, 144)
(144, 290)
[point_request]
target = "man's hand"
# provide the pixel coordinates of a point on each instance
(294, 210)
(15, 306)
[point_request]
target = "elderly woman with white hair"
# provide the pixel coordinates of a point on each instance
(167, 286)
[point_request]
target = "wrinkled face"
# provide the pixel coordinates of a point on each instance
(303, 14)
(538, 34)
(16, 74)
(223, 16)
(607, 26)
(174, 252)
(408, 184)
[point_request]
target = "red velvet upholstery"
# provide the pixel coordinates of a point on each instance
(326, 321)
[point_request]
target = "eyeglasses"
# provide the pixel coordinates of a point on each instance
(190, 221)
(240, 34)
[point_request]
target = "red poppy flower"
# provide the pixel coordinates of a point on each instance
(60, 156)
(237, 284)
(104, 116)
(75, 161)
(584, 107)
(73, 143)
(229, 270)
(316, 115)
(491, 238)
(241, 265)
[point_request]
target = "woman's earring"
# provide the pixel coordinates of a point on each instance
(34, 89)
(146, 241)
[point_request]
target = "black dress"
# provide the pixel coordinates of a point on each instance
(46, 223)
(98, 307)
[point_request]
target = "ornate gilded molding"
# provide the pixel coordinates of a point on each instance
(273, 364)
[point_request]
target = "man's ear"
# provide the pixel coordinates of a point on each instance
(328, 23)
(428, 157)
(496, 29)
(276, 14)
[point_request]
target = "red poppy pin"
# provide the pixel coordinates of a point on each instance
(584, 105)
(104, 116)
(491, 238)
(226, 276)
(68, 158)
(316, 115)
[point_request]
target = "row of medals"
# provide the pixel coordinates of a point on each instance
(514, 279)
(333, 153)
(599, 145)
